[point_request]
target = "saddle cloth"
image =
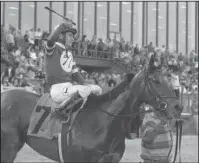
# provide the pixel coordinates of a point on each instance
(44, 122)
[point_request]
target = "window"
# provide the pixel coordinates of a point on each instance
(152, 22)
(27, 21)
(182, 27)
(58, 7)
(42, 16)
(89, 19)
(72, 11)
(126, 20)
(102, 19)
(11, 14)
(114, 17)
(172, 26)
(191, 26)
(162, 24)
(2, 13)
(137, 23)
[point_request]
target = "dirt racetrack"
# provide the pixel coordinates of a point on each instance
(189, 152)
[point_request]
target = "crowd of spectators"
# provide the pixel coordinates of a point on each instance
(24, 56)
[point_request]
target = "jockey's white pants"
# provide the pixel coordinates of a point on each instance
(63, 91)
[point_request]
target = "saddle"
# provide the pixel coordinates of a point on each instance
(48, 116)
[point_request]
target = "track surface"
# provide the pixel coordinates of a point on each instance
(189, 152)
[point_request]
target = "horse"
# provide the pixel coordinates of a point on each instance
(99, 130)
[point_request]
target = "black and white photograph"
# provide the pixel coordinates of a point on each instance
(99, 81)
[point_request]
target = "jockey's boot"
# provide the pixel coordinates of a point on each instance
(71, 105)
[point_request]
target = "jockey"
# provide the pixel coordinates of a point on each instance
(61, 68)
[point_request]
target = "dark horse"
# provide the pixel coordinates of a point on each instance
(98, 133)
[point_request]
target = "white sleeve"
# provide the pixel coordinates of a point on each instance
(49, 50)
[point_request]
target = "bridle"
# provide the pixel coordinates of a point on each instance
(161, 104)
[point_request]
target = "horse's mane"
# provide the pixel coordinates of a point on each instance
(112, 94)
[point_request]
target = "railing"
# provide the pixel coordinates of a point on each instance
(91, 53)
(81, 52)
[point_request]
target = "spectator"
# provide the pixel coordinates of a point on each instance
(175, 83)
(136, 49)
(38, 33)
(163, 49)
(84, 45)
(100, 45)
(151, 48)
(10, 40)
(180, 59)
(93, 42)
(9, 73)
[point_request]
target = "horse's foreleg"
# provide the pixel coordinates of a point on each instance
(11, 143)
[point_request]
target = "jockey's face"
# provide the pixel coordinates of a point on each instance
(69, 39)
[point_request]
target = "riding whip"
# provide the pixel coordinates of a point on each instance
(67, 19)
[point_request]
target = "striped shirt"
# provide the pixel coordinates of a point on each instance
(156, 139)
(194, 106)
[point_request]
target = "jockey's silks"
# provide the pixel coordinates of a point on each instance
(59, 63)
(156, 139)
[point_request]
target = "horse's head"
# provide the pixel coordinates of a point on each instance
(149, 86)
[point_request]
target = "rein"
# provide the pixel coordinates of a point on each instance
(178, 141)
(125, 115)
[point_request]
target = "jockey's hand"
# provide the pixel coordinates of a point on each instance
(67, 23)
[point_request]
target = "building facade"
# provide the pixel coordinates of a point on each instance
(173, 24)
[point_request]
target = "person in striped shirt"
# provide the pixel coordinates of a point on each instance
(156, 139)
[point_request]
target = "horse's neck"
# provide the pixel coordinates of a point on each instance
(100, 124)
